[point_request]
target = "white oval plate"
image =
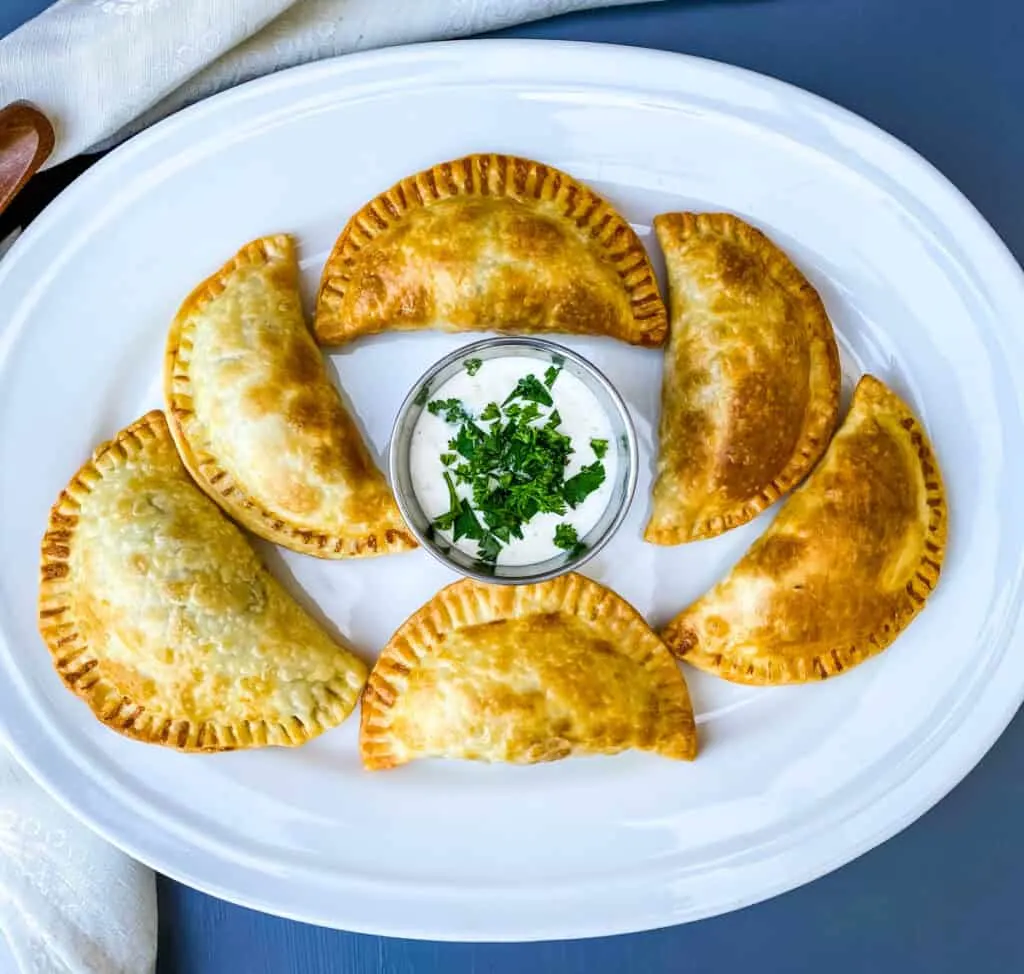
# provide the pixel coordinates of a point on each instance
(790, 782)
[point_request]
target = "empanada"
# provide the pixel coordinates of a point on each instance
(490, 243)
(159, 614)
(843, 569)
(259, 423)
(750, 392)
(523, 674)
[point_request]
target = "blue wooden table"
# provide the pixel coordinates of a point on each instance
(947, 77)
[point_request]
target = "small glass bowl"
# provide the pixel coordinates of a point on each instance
(624, 439)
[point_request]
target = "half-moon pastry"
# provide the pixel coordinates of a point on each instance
(490, 243)
(750, 392)
(159, 614)
(845, 566)
(259, 423)
(524, 674)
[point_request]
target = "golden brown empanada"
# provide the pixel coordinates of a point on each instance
(750, 392)
(159, 614)
(259, 423)
(490, 243)
(843, 569)
(523, 674)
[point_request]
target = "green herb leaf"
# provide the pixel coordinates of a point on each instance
(466, 440)
(531, 388)
(466, 524)
(551, 374)
(491, 411)
(454, 411)
(472, 365)
(566, 536)
(449, 458)
(529, 413)
(600, 448)
(488, 548)
(423, 395)
(577, 489)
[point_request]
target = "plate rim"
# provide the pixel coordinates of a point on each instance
(992, 725)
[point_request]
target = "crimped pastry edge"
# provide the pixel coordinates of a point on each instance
(210, 475)
(76, 662)
(514, 177)
(468, 602)
(779, 670)
(819, 424)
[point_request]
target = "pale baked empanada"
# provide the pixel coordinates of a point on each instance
(523, 674)
(843, 569)
(750, 393)
(159, 614)
(490, 243)
(259, 423)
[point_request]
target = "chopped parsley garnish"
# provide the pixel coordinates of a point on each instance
(513, 467)
(567, 539)
(551, 374)
(600, 448)
(453, 410)
(461, 520)
(576, 489)
(566, 536)
(423, 395)
(530, 387)
(472, 365)
(489, 548)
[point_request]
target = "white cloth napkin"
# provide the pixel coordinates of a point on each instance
(101, 70)
(69, 903)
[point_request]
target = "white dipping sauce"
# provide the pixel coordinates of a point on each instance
(583, 419)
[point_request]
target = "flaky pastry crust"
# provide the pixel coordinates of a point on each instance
(524, 674)
(490, 243)
(259, 423)
(161, 617)
(750, 393)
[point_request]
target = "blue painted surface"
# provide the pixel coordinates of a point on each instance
(947, 77)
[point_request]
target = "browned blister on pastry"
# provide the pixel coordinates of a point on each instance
(750, 393)
(159, 614)
(258, 421)
(845, 566)
(524, 674)
(490, 243)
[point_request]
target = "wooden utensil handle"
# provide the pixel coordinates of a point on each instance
(26, 139)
